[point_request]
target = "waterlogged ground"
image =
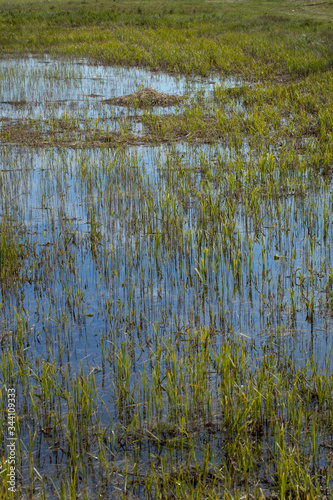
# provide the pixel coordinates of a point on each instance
(50, 95)
(166, 300)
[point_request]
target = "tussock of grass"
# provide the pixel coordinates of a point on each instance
(168, 334)
(60, 134)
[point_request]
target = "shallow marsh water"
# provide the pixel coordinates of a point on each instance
(130, 250)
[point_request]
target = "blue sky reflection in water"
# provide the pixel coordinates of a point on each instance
(128, 249)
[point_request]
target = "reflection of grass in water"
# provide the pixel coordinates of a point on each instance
(12, 252)
(145, 98)
(295, 116)
(130, 378)
(212, 420)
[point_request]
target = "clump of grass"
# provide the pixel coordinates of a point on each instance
(64, 132)
(272, 41)
(144, 98)
(12, 253)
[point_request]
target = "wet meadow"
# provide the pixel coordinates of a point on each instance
(166, 275)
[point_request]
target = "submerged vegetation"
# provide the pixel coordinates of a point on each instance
(166, 277)
(274, 39)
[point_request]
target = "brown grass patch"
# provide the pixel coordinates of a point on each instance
(146, 97)
(21, 133)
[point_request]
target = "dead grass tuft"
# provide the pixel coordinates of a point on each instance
(145, 98)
